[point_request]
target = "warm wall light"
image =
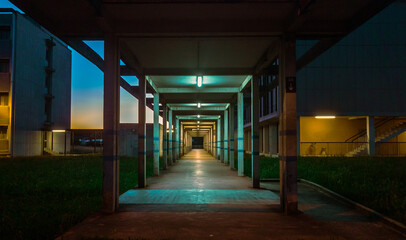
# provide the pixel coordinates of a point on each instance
(198, 121)
(199, 81)
(198, 105)
(58, 130)
(325, 117)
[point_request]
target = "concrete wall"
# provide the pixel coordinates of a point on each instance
(364, 74)
(29, 87)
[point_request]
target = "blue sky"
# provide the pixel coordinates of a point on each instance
(87, 90)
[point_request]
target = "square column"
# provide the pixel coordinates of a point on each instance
(142, 138)
(231, 135)
(255, 131)
(225, 145)
(240, 133)
(156, 134)
(219, 139)
(177, 139)
(288, 131)
(371, 135)
(165, 136)
(111, 121)
(170, 147)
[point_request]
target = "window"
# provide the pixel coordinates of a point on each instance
(3, 132)
(3, 99)
(4, 66)
(4, 32)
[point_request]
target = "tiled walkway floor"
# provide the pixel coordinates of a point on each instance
(201, 198)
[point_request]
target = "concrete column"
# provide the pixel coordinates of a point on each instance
(177, 139)
(142, 137)
(240, 133)
(156, 134)
(371, 135)
(165, 136)
(255, 131)
(226, 137)
(111, 120)
(170, 145)
(219, 139)
(181, 152)
(288, 131)
(231, 136)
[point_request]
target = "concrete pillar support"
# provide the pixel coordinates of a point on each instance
(225, 145)
(231, 135)
(219, 139)
(156, 134)
(170, 139)
(240, 133)
(255, 131)
(371, 135)
(177, 139)
(165, 136)
(142, 138)
(111, 120)
(288, 131)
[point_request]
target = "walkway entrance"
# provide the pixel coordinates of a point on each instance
(198, 178)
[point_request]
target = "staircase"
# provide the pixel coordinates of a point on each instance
(384, 131)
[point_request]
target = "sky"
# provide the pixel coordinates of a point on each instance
(87, 91)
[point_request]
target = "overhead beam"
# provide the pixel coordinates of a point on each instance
(152, 84)
(267, 57)
(246, 81)
(208, 100)
(191, 71)
(199, 90)
(87, 52)
(131, 60)
(196, 118)
(198, 109)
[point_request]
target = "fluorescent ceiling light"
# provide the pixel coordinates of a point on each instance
(198, 116)
(198, 105)
(199, 81)
(58, 130)
(325, 117)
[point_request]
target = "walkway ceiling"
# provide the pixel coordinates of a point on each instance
(172, 41)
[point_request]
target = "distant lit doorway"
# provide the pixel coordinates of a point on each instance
(197, 142)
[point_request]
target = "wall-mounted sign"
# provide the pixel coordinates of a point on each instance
(291, 84)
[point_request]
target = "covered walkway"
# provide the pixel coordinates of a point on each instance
(198, 178)
(200, 198)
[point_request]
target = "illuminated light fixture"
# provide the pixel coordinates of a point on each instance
(198, 105)
(198, 121)
(325, 117)
(198, 116)
(58, 130)
(199, 81)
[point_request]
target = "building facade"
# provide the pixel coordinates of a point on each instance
(351, 100)
(35, 88)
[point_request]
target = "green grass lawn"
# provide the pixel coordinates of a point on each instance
(378, 183)
(42, 197)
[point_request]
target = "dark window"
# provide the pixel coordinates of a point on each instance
(4, 65)
(3, 99)
(4, 33)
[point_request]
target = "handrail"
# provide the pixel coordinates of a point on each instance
(364, 132)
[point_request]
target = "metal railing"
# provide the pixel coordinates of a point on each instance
(330, 149)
